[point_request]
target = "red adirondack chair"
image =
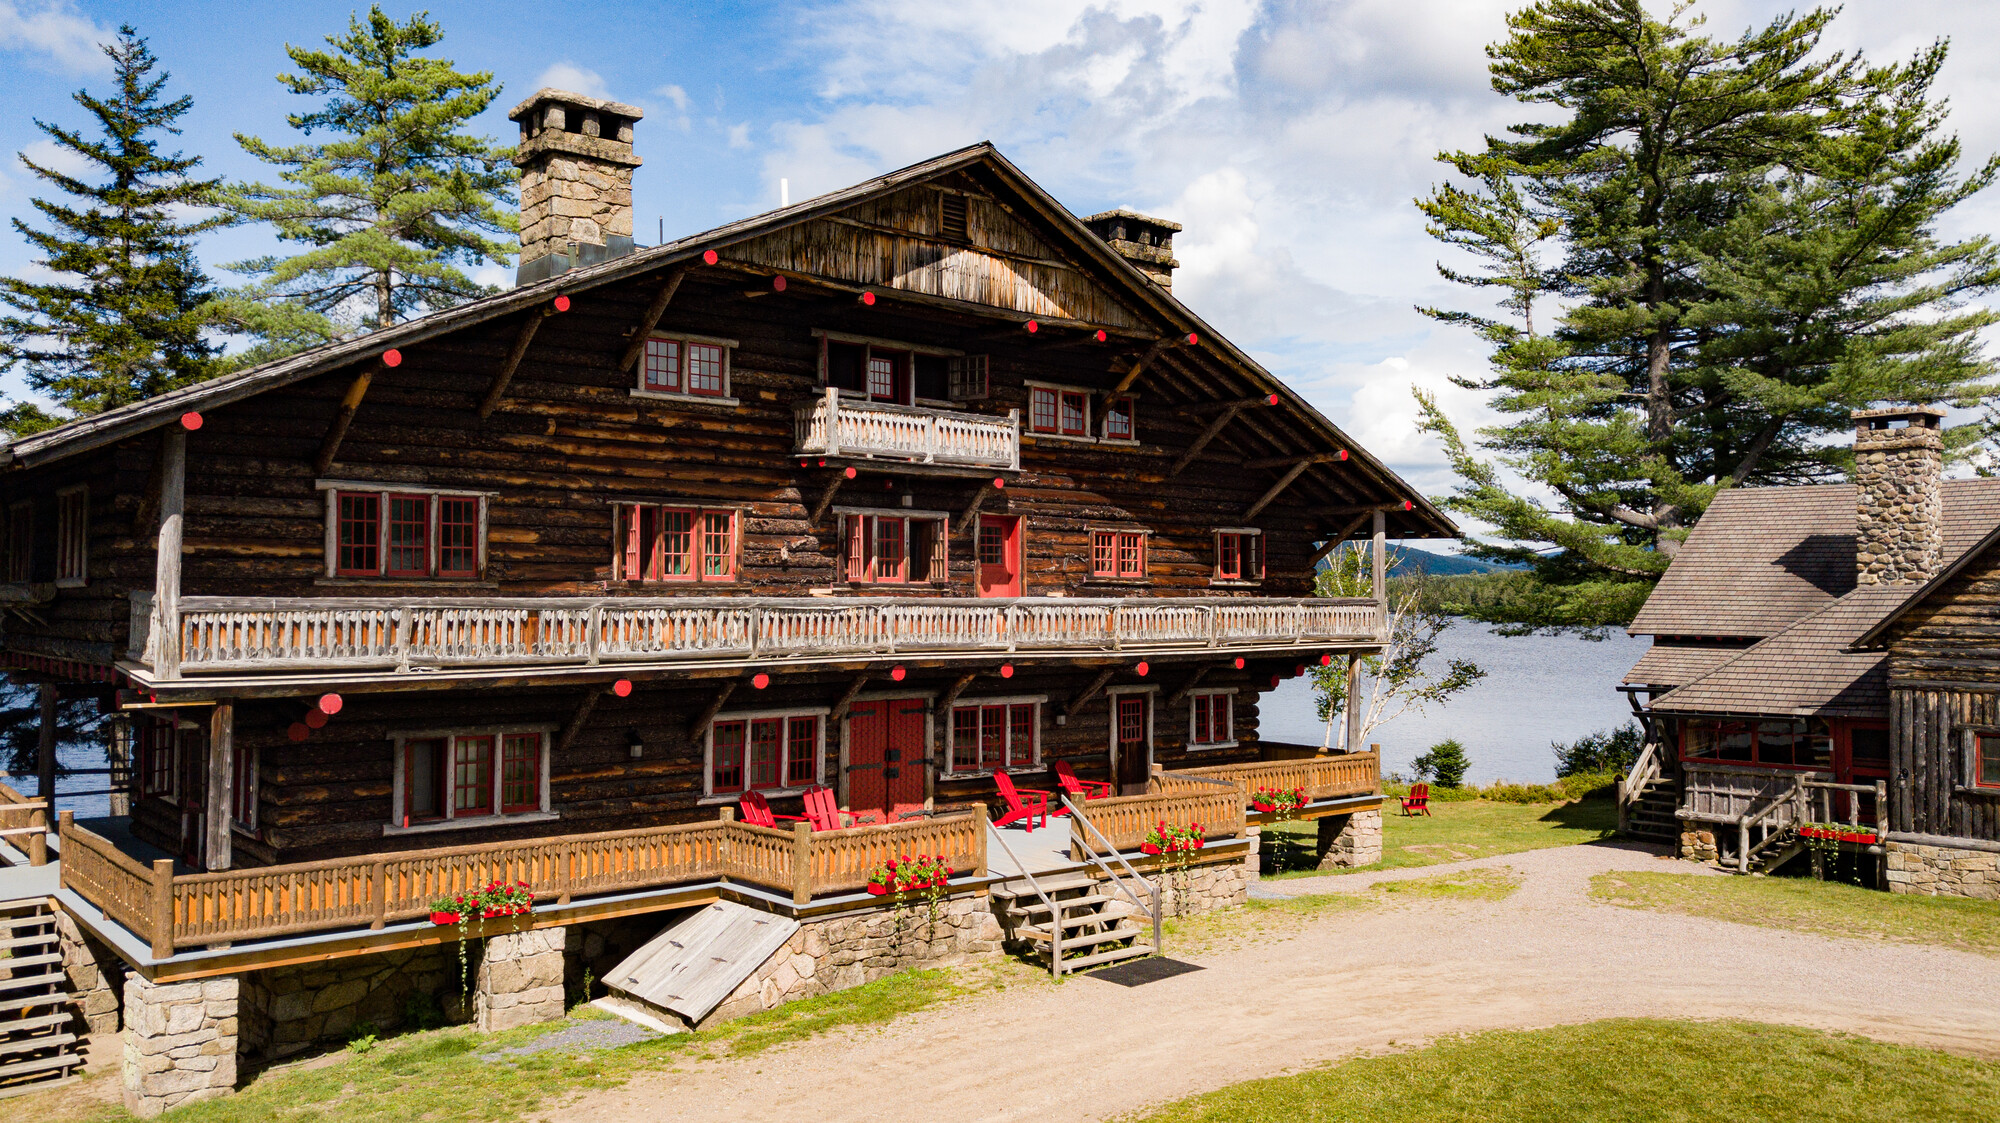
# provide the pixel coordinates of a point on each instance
(825, 814)
(1419, 799)
(757, 812)
(1022, 803)
(1067, 779)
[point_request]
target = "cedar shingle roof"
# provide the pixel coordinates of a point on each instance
(1762, 558)
(1804, 670)
(1671, 664)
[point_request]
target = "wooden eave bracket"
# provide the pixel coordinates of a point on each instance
(1081, 700)
(846, 702)
(651, 319)
(700, 727)
(826, 497)
(1333, 543)
(1277, 489)
(957, 688)
(1208, 434)
(577, 720)
(1193, 681)
(1132, 374)
(329, 447)
(519, 351)
(972, 506)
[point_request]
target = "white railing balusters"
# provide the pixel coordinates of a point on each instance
(828, 426)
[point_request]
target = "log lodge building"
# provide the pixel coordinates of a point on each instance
(888, 492)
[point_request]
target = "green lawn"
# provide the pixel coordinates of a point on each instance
(1452, 833)
(1626, 1071)
(1802, 904)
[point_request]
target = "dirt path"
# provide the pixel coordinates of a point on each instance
(1344, 982)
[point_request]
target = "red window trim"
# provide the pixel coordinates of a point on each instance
(968, 741)
(784, 764)
(1978, 739)
(861, 561)
(642, 559)
(485, 789)
(471, 546)
(73, 534)
(742, 757)
(1204, 716)
(1082, 413)
(1037, 397)
(440, 773)
(534, 744)
(1233, 548)
(681, 376)
(1107, 554)
(1682, 738)
(433, 503)
(1129, 412)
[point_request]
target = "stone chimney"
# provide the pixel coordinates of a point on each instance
(1898, 500)
(1140, 239)
(576, 167)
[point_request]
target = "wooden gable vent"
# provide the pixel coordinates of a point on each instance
(951, 223)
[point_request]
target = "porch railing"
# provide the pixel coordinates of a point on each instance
(1322, 777)
(1766, 808)
(831, 426)
(170, 911)
(1123, 822)
(24, 825)
(219, 634)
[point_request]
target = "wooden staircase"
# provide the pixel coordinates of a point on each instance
(1098, 926)
(38, 1046)
(1649, 811)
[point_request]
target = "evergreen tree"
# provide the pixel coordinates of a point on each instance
(389, 204)
(122, 320)
(1747, 245)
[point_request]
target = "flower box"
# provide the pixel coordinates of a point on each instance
(443, 918)
(876, 889)
(1148, 848)
(1866, 838)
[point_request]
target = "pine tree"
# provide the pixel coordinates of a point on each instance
(1746, 231)
(390, 204)
(123, 318)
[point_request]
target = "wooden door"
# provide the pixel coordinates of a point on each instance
(867, 746)
(903, 761)
(1860, 756)
(999, 560)
(1131, 741)
(885, 757)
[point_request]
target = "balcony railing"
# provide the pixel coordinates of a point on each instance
(830, 426)
(236, 634)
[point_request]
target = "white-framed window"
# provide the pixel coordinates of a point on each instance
(243, 789)
(776, 752)
(72, 535)
(889, 370)
(1239, 555)
(1211, 719)
(404, 531)
(894, 547)
(686, 367)
(675, 542)
(446, 778)
(988, 735)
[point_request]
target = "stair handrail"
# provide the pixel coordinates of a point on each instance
(1152, 890)
(1645, 769)
(1055, 914)
(1795, 796)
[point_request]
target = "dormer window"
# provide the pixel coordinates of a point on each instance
(691, 367)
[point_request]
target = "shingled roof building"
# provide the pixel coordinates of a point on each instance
(1830, 653)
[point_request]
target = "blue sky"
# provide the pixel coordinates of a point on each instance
(1289, 136)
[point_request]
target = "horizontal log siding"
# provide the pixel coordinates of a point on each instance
(1944, 674)
(89, 624)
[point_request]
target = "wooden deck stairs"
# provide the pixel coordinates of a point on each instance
(1650, 811)
(38, 1044)
(1098, 925)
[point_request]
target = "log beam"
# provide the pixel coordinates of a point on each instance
(714, 707)
(329, 447)
(651, 320)
(840, 708)
(519, 351)
(1277, 489)
(577, 720)
(1333, 543)
(1200, 408)
(1132, 374)
(972, 506)
(1201, 442)
(826, 497)
(1089, 692)
(221, 773)
(1289, 461)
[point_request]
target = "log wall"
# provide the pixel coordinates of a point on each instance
(1944, 676)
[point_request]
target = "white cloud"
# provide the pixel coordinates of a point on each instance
(566, 75)
(58, 33)
(739, 135)
(56, 158)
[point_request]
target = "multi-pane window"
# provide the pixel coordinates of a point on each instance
(1055, 410)
(901, 374)
(1789, 744)
(1986, 761)
(407, 534)
(659, 543)
(993, 735)
(472, 775)
(1118, 422)
(1117, 553)
(21, 542)
(1210, 722)
(157, 738)
(1238, 555)
(895, 549)
(764, 752)
(683, 365)
(72, 535)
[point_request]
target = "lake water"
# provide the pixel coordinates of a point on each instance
(1537, 689)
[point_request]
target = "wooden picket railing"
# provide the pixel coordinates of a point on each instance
(24, 825)
(831, 425)
(1124, 821)
(1323, 777)
(171, 911)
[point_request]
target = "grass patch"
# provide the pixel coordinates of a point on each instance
(1628, 1071)
(1804, 905)
(1265, 920)
(1465, 885)
(445, 1076)
(1453, 832)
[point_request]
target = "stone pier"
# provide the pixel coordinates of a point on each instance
(1347, 841)
(520, 979)
(180, 1042)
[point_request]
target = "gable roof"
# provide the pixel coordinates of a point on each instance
(1422, 520)
(1805, 670)
(1913, 596)
(1761, 559)
(1671, 664)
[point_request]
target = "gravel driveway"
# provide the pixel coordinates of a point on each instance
(1344, 982)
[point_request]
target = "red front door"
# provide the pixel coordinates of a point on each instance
(885, 757)
(999, 556)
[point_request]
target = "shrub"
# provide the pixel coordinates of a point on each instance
(1604, 751)
(1444, 764)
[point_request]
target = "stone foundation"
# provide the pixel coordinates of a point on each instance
(1219, 885)
(1347, 841)
(96, 975)
(288, 1010)
(829, 955)
(520, 979)
(1699, 846)
(180, 1042)
(1943, 871)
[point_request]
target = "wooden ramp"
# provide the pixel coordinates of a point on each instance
(688, 969)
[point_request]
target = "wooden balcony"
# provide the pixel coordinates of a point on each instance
(243, 634)
(852, 428)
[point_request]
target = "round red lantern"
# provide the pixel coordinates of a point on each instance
(897, 672)
(622, 688)
(1142, 668)
(1006, 670)
(710, 257)
(392, 358)
(330, 703)
(761, 681)
(562, 303)
(190, 421)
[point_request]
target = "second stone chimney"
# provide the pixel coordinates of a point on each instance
(1144, 241)
(576, 167)
(1898, 495)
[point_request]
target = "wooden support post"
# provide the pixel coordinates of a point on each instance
(942, 724)
(1089, 692)
(841, 707)
(1193, 681)
(1354, 715)
(38, 842)
(378, 895)
(1201, 442)
(342, 418)
(1379, 580)
(221, 771)
(167, 553)
(826, 497)
(45, 748)
(650, 320)
(162, 919)
(1333, 543)
(522, 338)
(577, 720)
(802, 870)
(1284, 482)
(1132, 375)
(714, 707)
(985, 827)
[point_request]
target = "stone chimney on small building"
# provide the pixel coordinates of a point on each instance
(576, 167)
(1898, 495)
(1144, 241)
